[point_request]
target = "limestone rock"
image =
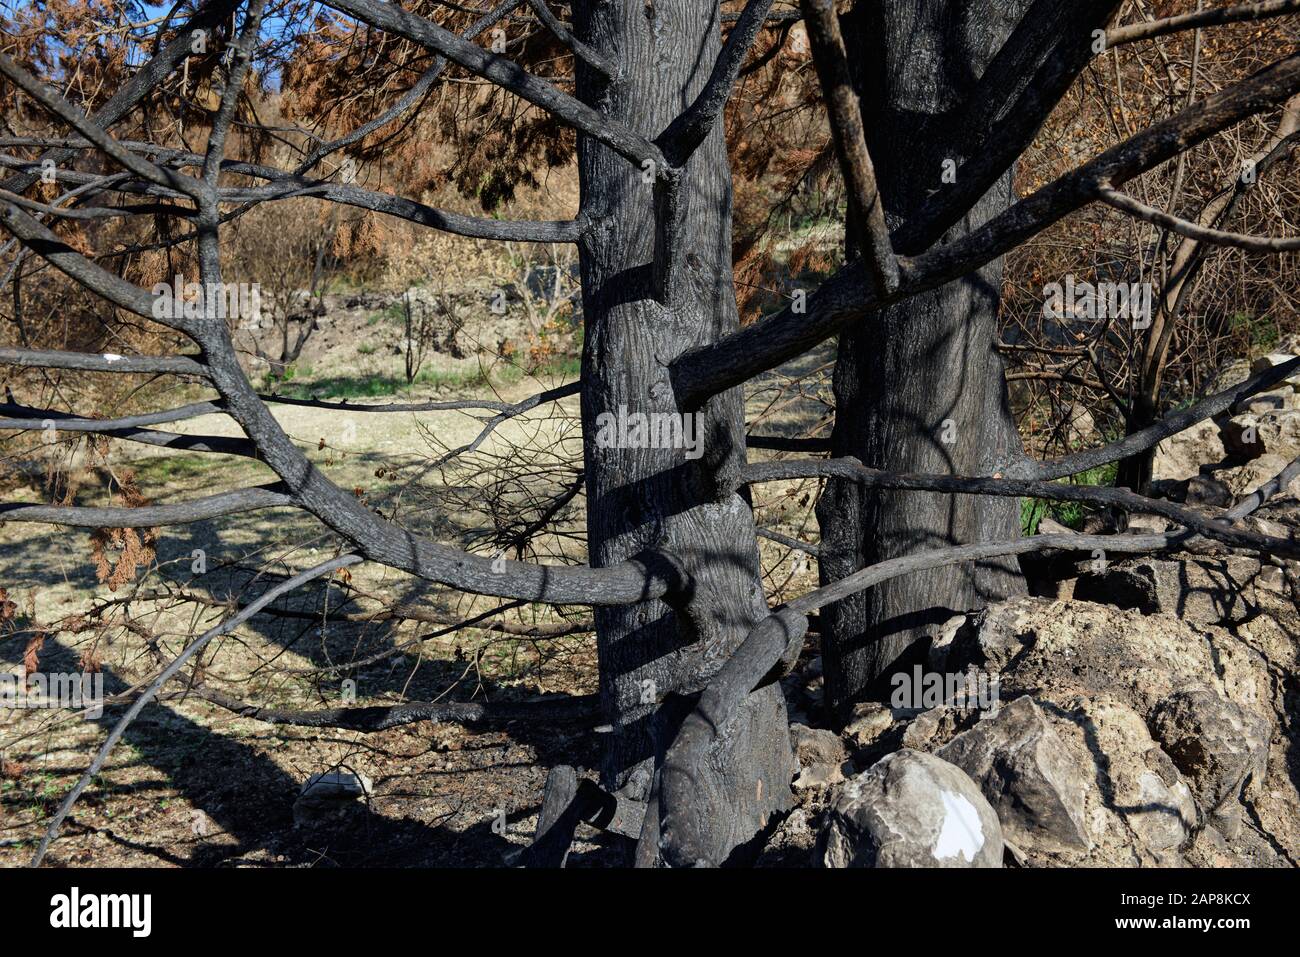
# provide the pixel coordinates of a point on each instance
(329, 795)
(1277, 359)
(910, 809)
(820, 754)
(868, 722)
(792, 843)
(1203, 592)
(1020, 764)
(1219, 747)
(1242, 438)
(1057, 650)
(1142, 810)
(1181, 456)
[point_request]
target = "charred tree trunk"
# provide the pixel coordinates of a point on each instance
(656, 656)
(919, 386)
(1135, 472)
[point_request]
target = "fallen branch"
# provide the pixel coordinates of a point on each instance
(102, 362)
(579, 709)
(852, 470)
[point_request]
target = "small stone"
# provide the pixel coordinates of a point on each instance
(820, 754)
(923, 728)
(869, 721)
(328, 795)
(1242, 437)
(1206, 490)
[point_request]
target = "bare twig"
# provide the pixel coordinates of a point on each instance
(325, 568)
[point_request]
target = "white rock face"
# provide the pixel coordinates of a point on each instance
(962, 834)
(330, 795)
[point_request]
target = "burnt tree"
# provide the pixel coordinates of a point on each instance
(697, 756)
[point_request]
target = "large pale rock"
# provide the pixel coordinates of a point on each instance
(1202, 592)
(1252, 436)
(1109, 796)
(1276, 359)
(1181, 456)
(1139, 809)
(1271, 401)
(1220, 748)
(1021, 766)
(1056, 650)
(1246, 478)
(1267, 425)
(910, 809)
(1164, 721)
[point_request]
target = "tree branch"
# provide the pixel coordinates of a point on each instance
(129, 428)
(845, 112)
(103, 362)
(593, 58)
(209, 14)
(166, 675)
(391, 18)
(1002, 115)
(852, 470)
(60, 108)
(685, 133)
(1171, 424)
(849, 295)
(1215, 16)
(148, 516)
(579, 709)
(1190, 230)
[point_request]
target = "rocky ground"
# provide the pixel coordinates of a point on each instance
(1160, 735)
(1146, 710)
(1232, 454)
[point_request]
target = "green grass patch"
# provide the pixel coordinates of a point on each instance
(564, 367)
(394, 312)
(364, 387)
(1069, 514)
(1261, 332)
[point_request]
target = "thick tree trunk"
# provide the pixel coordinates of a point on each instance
(653, 657)
(918, 387)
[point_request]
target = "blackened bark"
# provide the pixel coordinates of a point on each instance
(1135, 472)
(918, 386)
(655, 656)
